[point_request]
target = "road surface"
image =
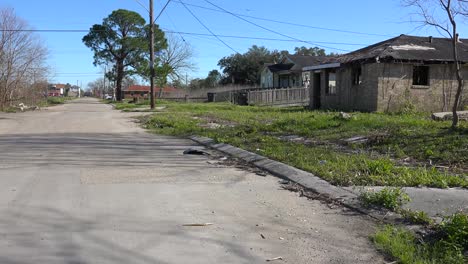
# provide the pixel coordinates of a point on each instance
(82, 183)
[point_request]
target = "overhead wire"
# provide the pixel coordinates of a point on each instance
(271, 30)
(208, 29)
(290, 23)
(186, 33)
(162, 10)
(261, 38)
(142, 5)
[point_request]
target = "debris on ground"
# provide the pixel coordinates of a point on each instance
(303, 192)
(196, 152)
(443, 116)
(273, 259)
(292, 138)
(24, 107)
(356, 140)
(262, 236)
(199, 224)
(344, 116)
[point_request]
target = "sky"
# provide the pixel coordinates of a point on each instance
(329, 25)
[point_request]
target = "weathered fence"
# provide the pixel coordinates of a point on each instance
(278, 97)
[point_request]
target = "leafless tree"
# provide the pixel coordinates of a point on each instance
(178, 55)
(22, 61)
(444, 15)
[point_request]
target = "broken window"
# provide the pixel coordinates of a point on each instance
(357, 76)
(330, 89)
(421, 75)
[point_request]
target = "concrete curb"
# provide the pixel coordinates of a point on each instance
(307, 180)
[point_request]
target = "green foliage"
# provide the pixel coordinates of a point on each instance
(122, 40)
(245, 68)
(55, 100)
(403, 246)
(10, 110)
(416, 217)
(315, 51)
(455, 229)
(212, 80)
(390, 198)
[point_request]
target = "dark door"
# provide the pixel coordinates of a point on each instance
(316, 91)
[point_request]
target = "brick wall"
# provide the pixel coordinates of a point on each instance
(361, 97)
(388, 87)
(395, 87)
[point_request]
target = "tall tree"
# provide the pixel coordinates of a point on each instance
(178, 56)
(122, 39)
(213, 78)
(245, 68)
(444, 15)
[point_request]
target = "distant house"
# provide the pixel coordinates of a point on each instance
(141, 91)
(387, 76)
(288, 71)
(56, 90)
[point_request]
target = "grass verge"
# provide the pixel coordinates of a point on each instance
(448, 243)
(321, 148)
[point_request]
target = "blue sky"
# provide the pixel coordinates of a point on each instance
(71, 61)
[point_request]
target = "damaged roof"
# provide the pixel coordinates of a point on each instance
(409, 48)
(296, 62)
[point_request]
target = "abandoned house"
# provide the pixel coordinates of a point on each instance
(405, 71)
(287, 73)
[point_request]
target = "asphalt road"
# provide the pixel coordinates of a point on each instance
(82, 183)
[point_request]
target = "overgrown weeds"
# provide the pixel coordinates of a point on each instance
(372, 162)
(448, 242)
(389, 198)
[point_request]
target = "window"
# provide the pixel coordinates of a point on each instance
(421, 75)
(357, 76)
(330, 89)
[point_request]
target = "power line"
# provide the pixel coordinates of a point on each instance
(261, 38)
(290, 23)
(187, 33)
(209, 30)
(142, 5)
(270, 30)
(162, 10)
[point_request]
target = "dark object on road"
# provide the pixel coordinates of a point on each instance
(195, 152)
(201, 224)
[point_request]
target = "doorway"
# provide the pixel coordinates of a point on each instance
(316, 91)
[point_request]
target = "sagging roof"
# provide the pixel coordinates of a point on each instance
(296, 62)
(409, 48)
(280, 67)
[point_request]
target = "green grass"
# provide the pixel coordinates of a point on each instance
(390, 198)
(259, 129)
(126, 104)
(416, 217)
(51, 101)
(447, 244)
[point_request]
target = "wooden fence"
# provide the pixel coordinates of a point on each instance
(279, 97)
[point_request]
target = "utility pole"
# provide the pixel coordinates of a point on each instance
(151, 55)
(104, 87)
